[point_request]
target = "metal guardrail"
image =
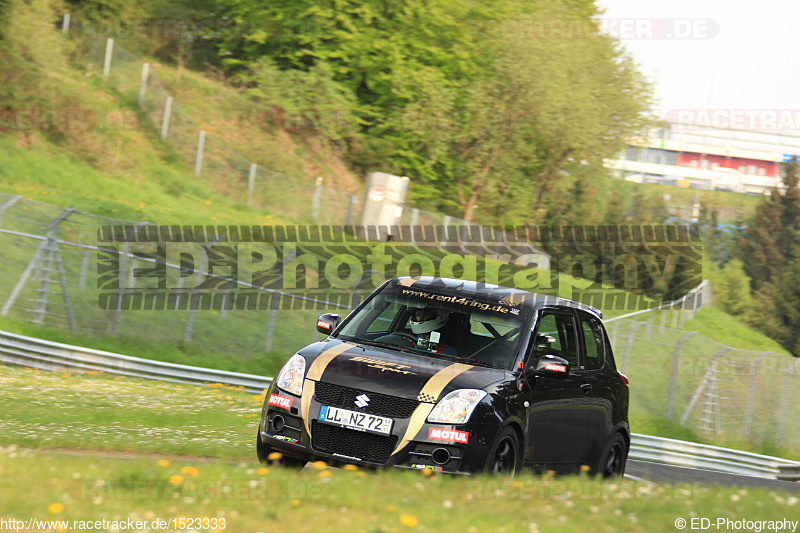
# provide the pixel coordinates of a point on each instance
(48, 355)
(704, 457)
(37, 353)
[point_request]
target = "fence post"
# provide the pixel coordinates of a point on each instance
(703, 384)
(45, 283)
(65, 24)
(663, 327)
(629, 344)
(615, 333)
(165, 120)
(674, 377)
(350, 203)
(84, 268)
(785, 402)
(674, 317)
(198, 160)
(751, 394)
(273, 314)
(315, 203)
(62, 279)
(650, 325)
(194, 300)
(143, 84)
(107, 59)
(123, 268)
(251, 182)
(8, 205)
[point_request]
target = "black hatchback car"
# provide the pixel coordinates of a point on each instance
(453, 376)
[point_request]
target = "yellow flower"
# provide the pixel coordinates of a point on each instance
(295, 503)
(426, 472)
(175, 479)
(190, 471)
(391, 508)
(275, 456)
(324, 474)
(409, 520)
(320, 465)
(263, 471)
(55, 508)
(208, 202)
(163, 463)
(350, 467)
(585, 468)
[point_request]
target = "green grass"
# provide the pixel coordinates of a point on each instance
(43, 409)
(722, 327)
(251, 499)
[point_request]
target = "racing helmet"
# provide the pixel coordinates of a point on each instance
(427, 319)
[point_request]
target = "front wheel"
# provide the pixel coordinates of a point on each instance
(504, 455)
(613, 459)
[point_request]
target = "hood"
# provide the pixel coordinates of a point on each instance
(391, 372)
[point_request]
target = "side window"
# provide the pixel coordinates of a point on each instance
(555, 335)
(594, 342)
(384, 320)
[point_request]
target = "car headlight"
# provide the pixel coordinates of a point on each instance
(290, 378)
(456, 407)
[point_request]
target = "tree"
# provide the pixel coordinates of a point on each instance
(474, 116)
(732, 289)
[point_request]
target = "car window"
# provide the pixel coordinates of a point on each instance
(384, 320)
(555, 335)
(593, 342)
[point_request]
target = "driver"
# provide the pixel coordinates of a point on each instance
(430, 327)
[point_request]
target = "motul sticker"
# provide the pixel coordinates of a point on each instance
(324, 325)
(554, 367)
(280, 401)
(450, 435)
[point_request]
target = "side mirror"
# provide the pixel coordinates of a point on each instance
(327, 323)
(552, 366)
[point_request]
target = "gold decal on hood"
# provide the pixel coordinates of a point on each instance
(314, 373)
(431, 390)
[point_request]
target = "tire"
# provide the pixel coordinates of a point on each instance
(613, 459)
(263, 451)
(504, 456)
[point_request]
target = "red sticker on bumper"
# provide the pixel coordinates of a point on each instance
(280, 401)
(449, 435)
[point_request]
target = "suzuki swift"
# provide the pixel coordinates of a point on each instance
(453, 376)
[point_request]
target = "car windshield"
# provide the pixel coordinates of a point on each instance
(474, 327)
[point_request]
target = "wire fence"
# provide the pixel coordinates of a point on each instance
(244, 180)
(720, 391)
(53, 274)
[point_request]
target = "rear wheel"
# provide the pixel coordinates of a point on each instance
(504, 455)
(613, 459)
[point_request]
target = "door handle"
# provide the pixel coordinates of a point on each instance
(586, 387)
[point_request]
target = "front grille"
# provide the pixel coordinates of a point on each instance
(366, 446)
(379, 404)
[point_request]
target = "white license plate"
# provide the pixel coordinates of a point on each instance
(355, 420)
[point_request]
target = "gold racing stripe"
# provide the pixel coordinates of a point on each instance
(314, 373)
(432, 389)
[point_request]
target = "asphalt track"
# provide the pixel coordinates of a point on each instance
(678, 474)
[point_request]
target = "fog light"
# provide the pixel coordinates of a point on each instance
(278, 422)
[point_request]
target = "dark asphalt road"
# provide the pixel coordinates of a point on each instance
(677, 474)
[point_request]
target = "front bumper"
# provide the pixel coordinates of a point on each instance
(283, 429)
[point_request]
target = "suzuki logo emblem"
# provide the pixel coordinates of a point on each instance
(362, 401)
